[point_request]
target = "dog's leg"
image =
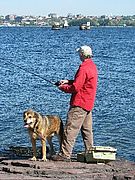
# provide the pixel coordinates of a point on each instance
(33, 141)
(52, 152)
(43, 142)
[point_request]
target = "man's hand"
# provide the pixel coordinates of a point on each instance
(61, 82)
(64, 81)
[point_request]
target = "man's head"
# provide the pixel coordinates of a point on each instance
(85, 52)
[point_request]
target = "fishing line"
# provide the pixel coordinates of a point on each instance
(19, 67)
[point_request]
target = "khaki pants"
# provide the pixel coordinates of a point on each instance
(77, 119)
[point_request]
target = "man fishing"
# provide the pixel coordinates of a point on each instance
(79, 117)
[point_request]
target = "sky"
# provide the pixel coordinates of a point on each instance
(64, 7)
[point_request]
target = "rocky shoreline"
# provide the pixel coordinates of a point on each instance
(18, 169)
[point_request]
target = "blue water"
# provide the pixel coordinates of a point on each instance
(51, 54)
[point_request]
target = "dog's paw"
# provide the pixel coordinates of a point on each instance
(44, 159)
(33, 158)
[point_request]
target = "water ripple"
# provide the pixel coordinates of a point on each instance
(51, 54)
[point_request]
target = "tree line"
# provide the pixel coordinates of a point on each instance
(123, 21)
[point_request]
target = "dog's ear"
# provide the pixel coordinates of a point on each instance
(36, 116)
(37, 119)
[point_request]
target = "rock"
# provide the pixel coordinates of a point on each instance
(26, 169)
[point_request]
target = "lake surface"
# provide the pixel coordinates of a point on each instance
(51, 55)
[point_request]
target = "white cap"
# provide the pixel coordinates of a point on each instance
(85, 50)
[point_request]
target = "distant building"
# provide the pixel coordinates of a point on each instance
(118, 17)
(10, 17)
(18, 19)
(79, 16)
(70, 16)
(53, 15)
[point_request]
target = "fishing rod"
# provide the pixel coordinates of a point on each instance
(15, 65)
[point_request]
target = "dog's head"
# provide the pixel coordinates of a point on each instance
(30, 119)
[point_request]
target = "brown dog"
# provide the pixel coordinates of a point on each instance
(43, 127)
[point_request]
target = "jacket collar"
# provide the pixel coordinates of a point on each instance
(88, 60)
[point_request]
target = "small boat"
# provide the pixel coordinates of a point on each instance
(56, 26)
(65, 25)
(85, 26)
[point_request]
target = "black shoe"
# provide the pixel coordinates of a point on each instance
(60, 157)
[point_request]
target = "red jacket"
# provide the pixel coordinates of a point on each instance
(83, 87)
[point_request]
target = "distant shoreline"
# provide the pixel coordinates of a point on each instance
(70, 26)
